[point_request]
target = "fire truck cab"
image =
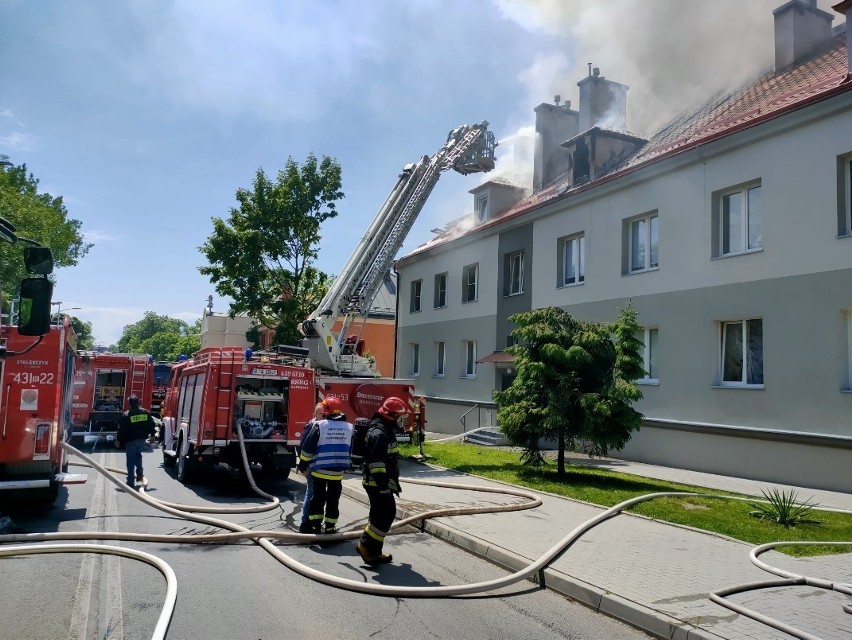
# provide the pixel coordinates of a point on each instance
(223, 393)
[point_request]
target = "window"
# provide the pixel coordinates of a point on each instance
(643, 248)
(470, 275)
(740, 222)
(572, 260)
(416, 290)
(844, 204)
(470, 358)
(514, 274)
(441, 290)
(481, 208)
(649, 337)
(415, 359)
(441, 359)
(742, 352)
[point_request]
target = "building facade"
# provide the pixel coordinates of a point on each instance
(730, 232)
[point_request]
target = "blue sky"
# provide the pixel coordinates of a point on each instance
(148, 115)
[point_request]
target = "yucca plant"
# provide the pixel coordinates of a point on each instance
(783, 508)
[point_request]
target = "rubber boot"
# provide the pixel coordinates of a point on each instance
(370, 559)
(329, 529)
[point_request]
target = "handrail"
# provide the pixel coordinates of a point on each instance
(463, 418)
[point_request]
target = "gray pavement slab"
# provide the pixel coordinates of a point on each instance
(653, 575)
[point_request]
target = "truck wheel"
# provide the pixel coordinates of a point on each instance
(183, 463)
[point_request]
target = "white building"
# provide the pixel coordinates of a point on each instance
(730, 231)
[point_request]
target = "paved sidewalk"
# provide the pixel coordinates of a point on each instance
(652, 575)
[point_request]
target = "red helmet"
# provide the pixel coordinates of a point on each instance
(392, 408)
(331, 405)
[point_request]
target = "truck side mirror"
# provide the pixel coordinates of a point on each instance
(38, 260)
(34, 312)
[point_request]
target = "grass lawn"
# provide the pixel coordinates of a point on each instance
(606, 488)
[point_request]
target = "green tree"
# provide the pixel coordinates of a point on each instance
(38, 216)
(163, 337)
(263, 255)
(576, 381)
(85, 339)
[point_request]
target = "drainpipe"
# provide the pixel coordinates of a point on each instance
(396, 322)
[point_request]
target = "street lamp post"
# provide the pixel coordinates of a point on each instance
(59, 310)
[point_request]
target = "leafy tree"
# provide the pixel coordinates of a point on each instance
(575, 381)
(163, 337)
(38, 216)
(85, 339)
(263, 255)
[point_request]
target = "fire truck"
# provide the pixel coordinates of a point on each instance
(103, 383)
(36, 374)
(161, 374)
(223, 395)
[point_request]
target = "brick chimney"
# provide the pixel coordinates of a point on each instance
(554, 124)
(799, 28)
(845, 8)
(602, 102)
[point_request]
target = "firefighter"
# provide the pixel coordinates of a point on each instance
(309, 485)
(134, 428)
(324, 457)
(381, 480)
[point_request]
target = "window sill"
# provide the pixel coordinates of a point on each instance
(737, 386)
(846, 391)
(439, 375)
(569, 285)
(840, 236)
(651, 382)
(738, 253)
(469, 301)
(416, 311)
(443, 306)
(511, 295)
(467, 377)
(414, 375)
(638, 271)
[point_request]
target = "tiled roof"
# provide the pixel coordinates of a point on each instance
(498, 357)
(822, 75)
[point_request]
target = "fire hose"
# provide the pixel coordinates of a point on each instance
(237, 532)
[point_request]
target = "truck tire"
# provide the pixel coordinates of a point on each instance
(184, 464)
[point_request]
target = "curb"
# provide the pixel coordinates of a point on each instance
(636, 615)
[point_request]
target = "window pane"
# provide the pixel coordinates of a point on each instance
(732, 352)
(637, 245)
(415, 358)
(570, 256)
(655, 257)
(470, 368)
(440, 364)
(582, 261)
(653, 337)
(755, 351)
(755, 219)
(732, 240)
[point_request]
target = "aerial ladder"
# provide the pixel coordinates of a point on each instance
(468, 149)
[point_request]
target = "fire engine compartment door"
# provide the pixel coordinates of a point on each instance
(109, 389)
(262, 406)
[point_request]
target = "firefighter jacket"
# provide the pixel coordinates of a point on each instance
(327, 448)
(381, 467)
(135, 424)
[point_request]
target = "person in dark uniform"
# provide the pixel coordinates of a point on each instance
(134, 428)
(381, 480)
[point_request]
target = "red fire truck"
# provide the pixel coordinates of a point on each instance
(103, 382)
(162, 373)
(35, 411)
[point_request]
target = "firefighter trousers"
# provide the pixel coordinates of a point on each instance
(326, 499)
(382, 514)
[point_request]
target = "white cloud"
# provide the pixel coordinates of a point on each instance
(99, 235)
(19, 140)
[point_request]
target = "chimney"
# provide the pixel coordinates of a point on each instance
(602, 102)
(799, 28)
(554, 124)
(844, 8)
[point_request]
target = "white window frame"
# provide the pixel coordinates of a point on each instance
(469, 350)
(440, 359)
(466, 282)
(849, 349)
(418, 285)
(415, 359)
(482, 208)
(516, 270)
(847, 193)
(577, 244)
(650, 352)
(441, 290)
(647, 242)
(746, 220)
(744, 355)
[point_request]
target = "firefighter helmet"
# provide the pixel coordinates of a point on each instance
(393, 407)
(330, 405)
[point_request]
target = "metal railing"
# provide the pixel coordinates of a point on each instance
(463, 418)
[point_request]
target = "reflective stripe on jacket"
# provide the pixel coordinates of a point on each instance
(327, 448)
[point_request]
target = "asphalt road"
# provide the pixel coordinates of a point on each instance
(239, 591)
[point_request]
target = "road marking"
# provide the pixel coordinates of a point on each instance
(102, 509)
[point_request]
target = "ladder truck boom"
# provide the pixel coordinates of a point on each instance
(468, 149)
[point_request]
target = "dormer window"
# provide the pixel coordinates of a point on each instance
(482, 208)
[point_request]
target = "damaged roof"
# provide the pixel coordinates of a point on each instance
(819, 77)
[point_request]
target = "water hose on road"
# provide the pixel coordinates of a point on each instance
(264, 539)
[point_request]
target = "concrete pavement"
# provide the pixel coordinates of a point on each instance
(652, 575)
